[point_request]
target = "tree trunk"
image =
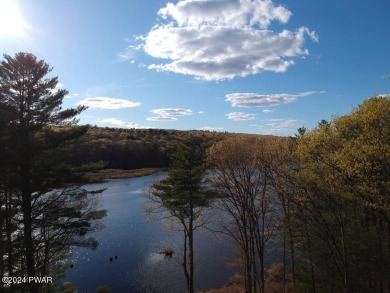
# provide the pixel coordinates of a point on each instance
(284, 260)
(27, 225)
(253, 257)
(313, 281)
(248, 262)
(191, 254)
(292, 252)
(2, 243)
(184, 264)
(8, 203)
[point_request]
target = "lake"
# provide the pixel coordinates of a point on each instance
(136, 242)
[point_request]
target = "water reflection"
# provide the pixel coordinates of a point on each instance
(139, 267)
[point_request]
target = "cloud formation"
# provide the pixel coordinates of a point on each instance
(108, 103)
(240, 116)
(161, 118)
(169, 114)
(223, 39)
(248, 100)
(121, 123)
(281, 126)
(210, 128)
(233, 12)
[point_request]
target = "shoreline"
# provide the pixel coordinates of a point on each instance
(106, 174)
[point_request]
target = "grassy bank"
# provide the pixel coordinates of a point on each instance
(105, 174)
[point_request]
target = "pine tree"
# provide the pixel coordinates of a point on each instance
(183, 195)
(35, 134)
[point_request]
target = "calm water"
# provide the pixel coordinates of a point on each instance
(136, 241)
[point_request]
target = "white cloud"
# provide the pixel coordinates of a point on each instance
(267, 111)
(256, 125)
(59, 85)
(161, 118)
(108, 103)
(128, 54)
(121, 123)
(169, 114)
(71, 96)
(216, 40)
(210, 128)
(240, 116)
(247, 100)
(281, 126)
(225, 12)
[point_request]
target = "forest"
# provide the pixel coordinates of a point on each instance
(322, 196)
(118, 148)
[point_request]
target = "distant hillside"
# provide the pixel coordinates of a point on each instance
(137, 148)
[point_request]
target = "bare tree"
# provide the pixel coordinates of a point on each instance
(241, 177)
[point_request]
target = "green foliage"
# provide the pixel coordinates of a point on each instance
(183, 195)
(181, 192)
(365, 154)
(344, 203)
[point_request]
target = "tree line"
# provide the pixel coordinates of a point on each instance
(136, 148)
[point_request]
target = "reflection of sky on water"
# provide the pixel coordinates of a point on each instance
(155, 274)
(136, 242)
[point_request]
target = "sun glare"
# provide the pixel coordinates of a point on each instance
(11, 22)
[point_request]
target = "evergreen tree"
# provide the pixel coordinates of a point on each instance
(183, 195)
(35, 135)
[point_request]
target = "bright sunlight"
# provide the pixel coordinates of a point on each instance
(11, 22)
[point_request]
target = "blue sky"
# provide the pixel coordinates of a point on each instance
(250, 66)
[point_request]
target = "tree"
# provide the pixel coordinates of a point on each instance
(36, 135)
(184, 196)
(241, 176)
(280, 155)
(365, 154)
(344, 179)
